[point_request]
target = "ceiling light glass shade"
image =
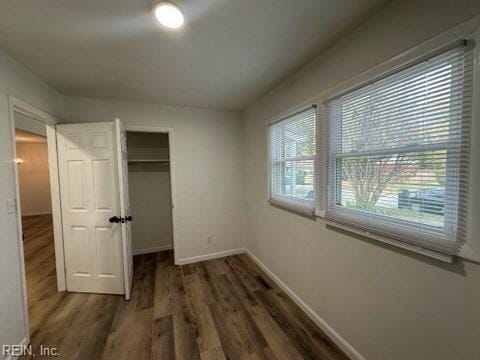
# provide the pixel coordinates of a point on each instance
(169, 15)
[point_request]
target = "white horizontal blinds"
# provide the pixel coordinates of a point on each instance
(292, 161)
(398, 153)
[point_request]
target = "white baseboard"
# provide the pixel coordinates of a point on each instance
(210, 256)
(36, 213)
(151, 250)
(25, 341)
(322, 324)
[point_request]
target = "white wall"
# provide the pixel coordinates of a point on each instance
(385, 302)
(19, 82)
(26, 123)
(34, 179)
(208, 166)
(150, 195)
(151, 209)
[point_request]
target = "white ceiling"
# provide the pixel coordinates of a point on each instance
(229, 53)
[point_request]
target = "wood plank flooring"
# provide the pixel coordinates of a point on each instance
(218, 309)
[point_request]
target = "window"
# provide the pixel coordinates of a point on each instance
(292, 161)
(398, 152)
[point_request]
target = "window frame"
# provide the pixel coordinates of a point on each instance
(294, 204)
(470, 249)
(358, 218)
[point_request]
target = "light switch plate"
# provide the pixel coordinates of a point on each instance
(11, 206)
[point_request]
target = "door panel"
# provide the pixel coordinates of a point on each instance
(76, 180)
(104, 242)
(100, 141)
(79, 246)
(73, 141)
(102, 184)
(90, 197)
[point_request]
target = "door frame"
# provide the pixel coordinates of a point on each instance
(169, 132)
(19, 106)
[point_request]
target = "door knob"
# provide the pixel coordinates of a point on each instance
(115, 219)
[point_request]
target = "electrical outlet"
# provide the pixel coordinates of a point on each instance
(209, 240)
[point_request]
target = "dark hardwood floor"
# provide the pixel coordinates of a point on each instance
(218, 309)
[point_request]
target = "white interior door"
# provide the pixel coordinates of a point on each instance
(89, 191)
(122, 161)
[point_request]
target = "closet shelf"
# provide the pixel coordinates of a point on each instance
(148, 161)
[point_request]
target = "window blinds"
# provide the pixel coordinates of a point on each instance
(292, 161)
(398, 153)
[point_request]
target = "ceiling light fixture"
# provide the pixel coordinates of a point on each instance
(170, 15)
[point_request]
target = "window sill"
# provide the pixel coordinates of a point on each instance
(416, 249)
(296, 209)
(466, 252)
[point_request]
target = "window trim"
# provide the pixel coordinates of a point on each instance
(386, 226)
(296, 205)
(470, 249)
(407, 63)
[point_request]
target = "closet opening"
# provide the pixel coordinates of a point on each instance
(150, 189)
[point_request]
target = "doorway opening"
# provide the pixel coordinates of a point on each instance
(35, 214)
(150, 188)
